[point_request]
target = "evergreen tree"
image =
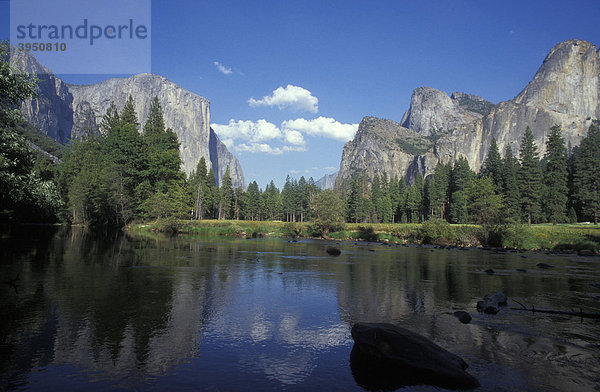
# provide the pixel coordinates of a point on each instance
(212, 193)
(510, 185)
(253, 203)
(226, 197)
(438, 191)
(485, 206)
(164, 162)
(198, 184)
(492, 166)
(414, 200)
(128, 115)
(555, 177)
(530, 178)
(586, 174)
(110, 120)
(460, 178)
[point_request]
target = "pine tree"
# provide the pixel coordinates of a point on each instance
(510, 185)
(530, 178)
(128, 115)
(199, 187)
(164, 162)
(460, 178)
(110, 120)
(586, 174)
(555, 177)
(226, 197)
(438, 192)
(492, 166)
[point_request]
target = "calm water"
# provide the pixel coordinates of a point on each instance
(116, 312)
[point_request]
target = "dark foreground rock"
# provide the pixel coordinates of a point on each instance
(386, 356)
(491, 303)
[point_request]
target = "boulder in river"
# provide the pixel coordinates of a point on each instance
(333, 251)
(463, 317)
(491, 303)
(386, 356)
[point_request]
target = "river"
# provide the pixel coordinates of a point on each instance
(84, 311)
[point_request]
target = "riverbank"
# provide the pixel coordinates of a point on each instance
(577, 237)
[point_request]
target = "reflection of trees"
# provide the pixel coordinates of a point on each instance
(107, 303)
(132, 308)
(419, 288)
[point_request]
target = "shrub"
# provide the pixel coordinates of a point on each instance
(435, 230)
(367, 233)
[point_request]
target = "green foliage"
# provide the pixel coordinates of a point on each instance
(414, 146)
(510, 185)
(492, 166)
(555, 177)
(435, 230)
(485, 206)
(15, 86)
(24, 195)
(586, 175)
(328, 210)
(480, 106)
(530, 178)
(367, 233)
(460, 178)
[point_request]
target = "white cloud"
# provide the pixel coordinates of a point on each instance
(266, 148)
(259, 131)
(254, 136)
(294, 137)
(223, 69)
(322, 126)
(292, 97)
(258, 136)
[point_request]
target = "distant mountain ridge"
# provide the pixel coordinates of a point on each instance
(440, 128)
(327, 181)
(64, 111)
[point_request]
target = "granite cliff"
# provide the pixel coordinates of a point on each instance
(65, 111)
(440, 128)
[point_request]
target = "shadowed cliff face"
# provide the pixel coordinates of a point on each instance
(565, 91)
(65, 112)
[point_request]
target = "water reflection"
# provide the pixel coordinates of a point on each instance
(112, 310)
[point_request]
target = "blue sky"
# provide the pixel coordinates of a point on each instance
(340, 61)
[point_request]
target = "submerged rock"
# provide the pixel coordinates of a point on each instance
(463, 316)
(491, 303)
(544, 265)
(333, 251)
(386, 356)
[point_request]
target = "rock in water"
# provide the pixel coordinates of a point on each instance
(463, 316)
(491, 303)
(544, 265)
(333, 251)
(386, 356)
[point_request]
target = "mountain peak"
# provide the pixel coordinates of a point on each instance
(567, 81)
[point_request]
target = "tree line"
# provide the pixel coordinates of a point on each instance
(129, 172)
(557, 188)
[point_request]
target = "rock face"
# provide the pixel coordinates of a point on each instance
(52, 110)
(565, 91)
(406, 358)
(327, 181)
(66, 111)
